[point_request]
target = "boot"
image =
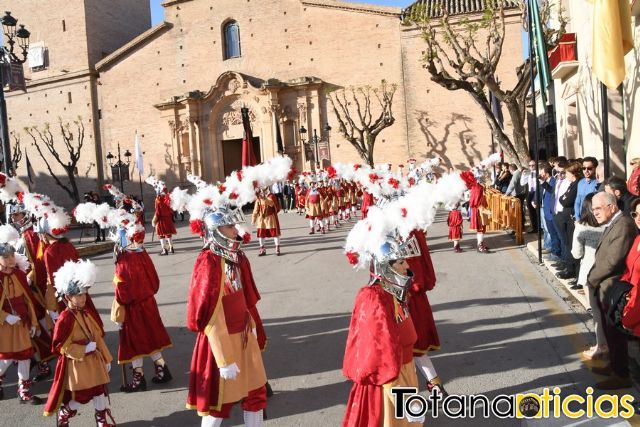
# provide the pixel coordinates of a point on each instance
(138, 382)
(171, 249)
(312, 231)
(44, 371)
(322, 230)
(278, 250)
(64, 414)
(435, 383)
(164, 252)
(25, 395)
(101, 418)
(262, 252)
(162, 374)
(483, 248)
(457, 249)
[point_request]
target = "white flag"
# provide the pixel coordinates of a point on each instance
(139, 161)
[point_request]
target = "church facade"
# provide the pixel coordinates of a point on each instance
(180, 84)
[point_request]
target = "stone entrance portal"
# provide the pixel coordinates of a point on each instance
(232, 154)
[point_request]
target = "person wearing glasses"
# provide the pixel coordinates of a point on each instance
(531, 195)
(611, 253)
(586, 185)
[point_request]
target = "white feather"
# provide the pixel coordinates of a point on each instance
(22, 262)
(8, 234)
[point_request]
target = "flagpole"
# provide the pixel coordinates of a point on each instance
(141, 195)
(535, 128)
(604, 99)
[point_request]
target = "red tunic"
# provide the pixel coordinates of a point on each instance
(454, 221)
(61, 333)
(477, 201)
(367, 200)
(424, 279)
(136, 283)
(38, 275)
(631, 313)
(164, 216)
(375, 352)
(300, 196)
(55, 255)
(204, 297)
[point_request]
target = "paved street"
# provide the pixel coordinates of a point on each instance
(504, 329)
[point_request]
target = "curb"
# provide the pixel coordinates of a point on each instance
(95, 249)
(533, 248)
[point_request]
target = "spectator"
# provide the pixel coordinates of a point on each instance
(515, 188)
(616, 186)
(503, 178)
(633, 184)
(531, 195)
(277, 189)
(548, 184)
(289, 195)
(586, 185)
(617, 239)
(565, 220)
(95, 198)
(585, 241)
(561, 186)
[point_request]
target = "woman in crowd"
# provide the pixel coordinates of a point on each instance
(504, 177)
(565, 219)
(585, 242)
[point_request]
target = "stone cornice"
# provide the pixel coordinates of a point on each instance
(393, 12)
(58, 79)
(150, 33)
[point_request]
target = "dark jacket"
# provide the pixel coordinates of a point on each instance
(611, 254)
(568, 199)
(547, 197)
(624, 202)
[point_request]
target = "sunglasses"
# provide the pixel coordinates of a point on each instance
(587, 169)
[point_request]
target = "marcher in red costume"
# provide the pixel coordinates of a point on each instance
(454, 221)
(367, 200)
(423, 280)
(84, 361)
(313, 207)
(477, 202)
(301, 194)
(18, 321)
(134, 309)
(265, 219)
(30, 246)
(226, 366)
(379, 350)
(163, 222)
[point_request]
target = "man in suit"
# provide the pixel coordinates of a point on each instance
(620, 232)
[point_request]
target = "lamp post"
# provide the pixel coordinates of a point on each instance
(8, 58)
(327, 133)
(117, 167)
(315, 141)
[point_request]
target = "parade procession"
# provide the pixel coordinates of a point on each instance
(388, 213)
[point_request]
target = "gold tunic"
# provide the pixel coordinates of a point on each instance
(85, 371)
(406, 378)
(15, 338)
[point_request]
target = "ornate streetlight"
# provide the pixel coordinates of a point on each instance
(327, 134)
(8, 61)
(120, 168)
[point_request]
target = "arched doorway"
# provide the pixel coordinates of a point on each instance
(232, 153)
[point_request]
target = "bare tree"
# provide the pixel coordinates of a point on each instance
(16, 152)
(464, 55)
(353, 109)
(73, 139)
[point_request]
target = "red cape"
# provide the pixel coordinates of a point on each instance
(373, 355)
(61, 333)
(204, 296)
(367, 200)
(142, 332)
(164, 216)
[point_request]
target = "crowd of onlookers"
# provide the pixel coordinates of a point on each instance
(590, 225)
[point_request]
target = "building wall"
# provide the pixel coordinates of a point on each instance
(450, 124)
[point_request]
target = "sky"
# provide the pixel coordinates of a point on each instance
(157, 12)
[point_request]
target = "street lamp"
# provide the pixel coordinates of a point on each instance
(8, 59)
(315, 140)
(120, 168)
(327, 133)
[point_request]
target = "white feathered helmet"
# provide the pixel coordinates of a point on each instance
(74, 278)
(157, 185)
